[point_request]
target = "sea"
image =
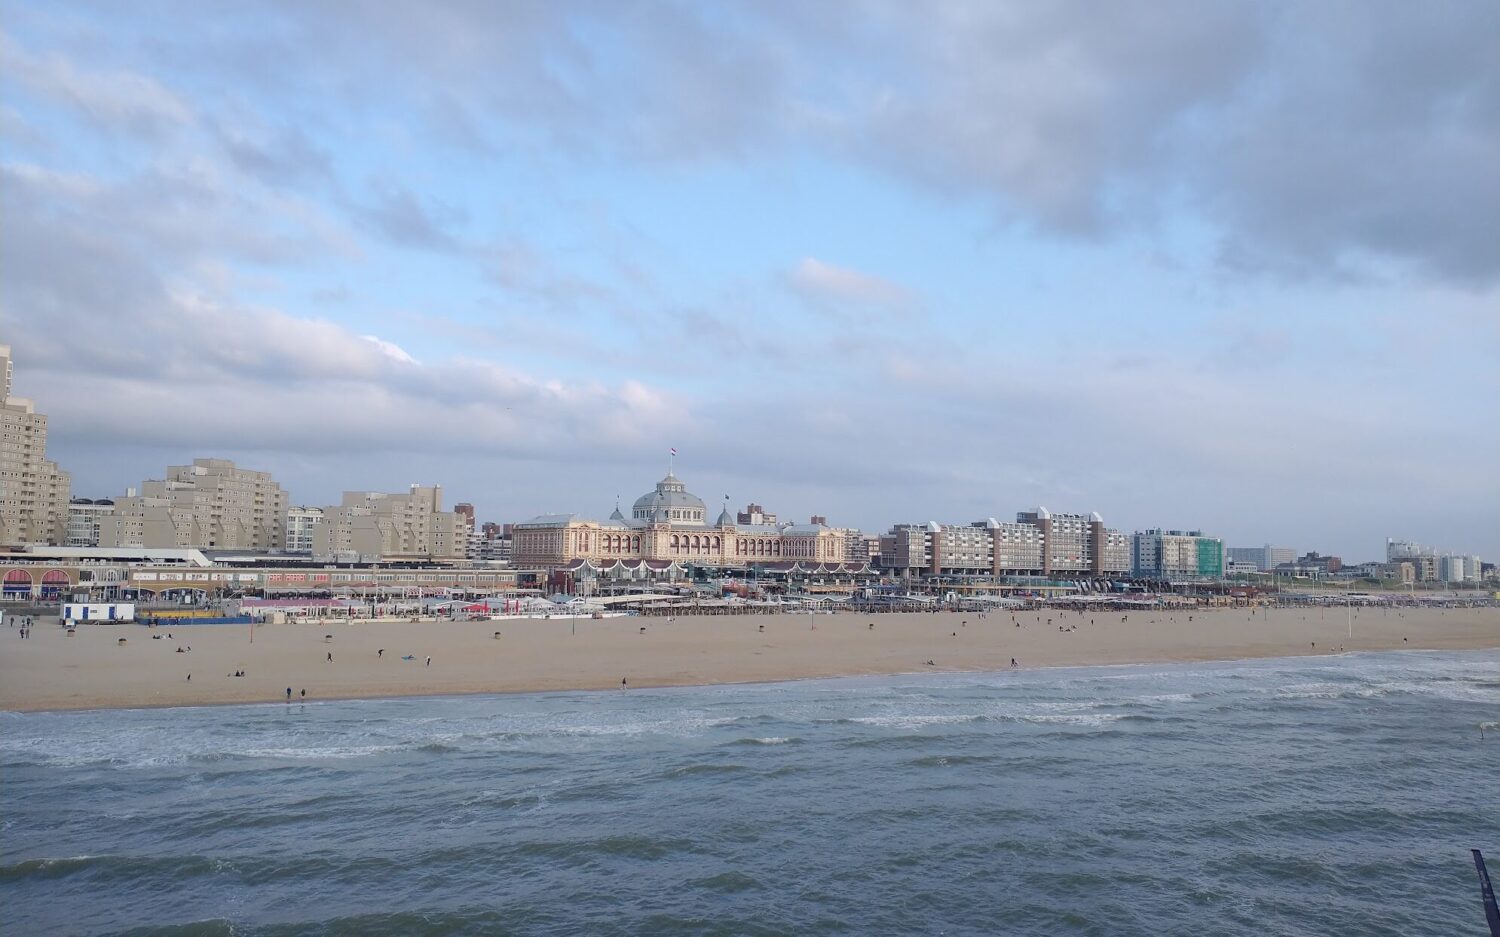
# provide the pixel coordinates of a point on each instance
(1316, 795)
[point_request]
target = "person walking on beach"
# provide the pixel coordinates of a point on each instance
(304, 696)
(330, 657)
(429, 662)
(380, 653)
(288, 694)
(623, 684)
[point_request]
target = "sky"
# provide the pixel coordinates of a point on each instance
(1221, 266)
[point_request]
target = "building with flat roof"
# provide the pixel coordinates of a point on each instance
(373, 526)
(85, 520)
(300, 522)
(33, 490)
(1176, 554)
(210, 504)
(1039, 543)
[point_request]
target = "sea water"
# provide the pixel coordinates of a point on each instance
(1335, 795)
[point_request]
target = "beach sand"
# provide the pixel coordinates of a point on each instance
(92, 670)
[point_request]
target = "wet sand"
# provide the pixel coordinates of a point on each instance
(92, 670)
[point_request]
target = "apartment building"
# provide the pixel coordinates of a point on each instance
(33, 490)
(210, 504)
(1176, 554)
(374, 526)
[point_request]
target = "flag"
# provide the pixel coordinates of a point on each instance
(673, 451)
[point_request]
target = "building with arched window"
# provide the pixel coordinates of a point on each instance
(670, 524)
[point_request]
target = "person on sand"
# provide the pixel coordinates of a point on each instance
(190, 678)
(623, 684)
(1013, 662)
(380, 653)
(330, 657)
(304, 695)
(288, 694)
(429, 662)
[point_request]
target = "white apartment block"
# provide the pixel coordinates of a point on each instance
(374, 526)
(86, 519)
(210, 504)
(300, 522)
(33, 490)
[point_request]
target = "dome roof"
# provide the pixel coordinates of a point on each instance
(725, 518)
(671, 502)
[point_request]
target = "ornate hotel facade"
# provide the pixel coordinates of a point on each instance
(669, 525)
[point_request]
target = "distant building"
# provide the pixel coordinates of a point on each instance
(1038, 544)
(669, 526)
(1451, 568)
(467, 510)
(1313, 565)
(1176, 554)
(1405, 550)
(1078, 544)
(754, 514)
(374, 526)
(85, 519)
(33, 490)
(209, 504)
(300, 522)
(1262, 558)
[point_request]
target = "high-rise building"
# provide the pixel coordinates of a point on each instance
(33, 490)
(467, 510)
(1451, 568)
(85, 520)
(300, 522)
(373, 526)
(1176, 554)
(211, 504)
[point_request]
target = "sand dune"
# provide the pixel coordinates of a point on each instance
(92, 670)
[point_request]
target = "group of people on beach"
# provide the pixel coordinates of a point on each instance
(25, 626)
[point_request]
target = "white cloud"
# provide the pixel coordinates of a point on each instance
(390, 350)
(821, 281)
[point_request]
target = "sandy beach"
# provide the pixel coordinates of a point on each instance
(92, 669)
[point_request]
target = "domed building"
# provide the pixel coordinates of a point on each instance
(668, 528)
(670, 501)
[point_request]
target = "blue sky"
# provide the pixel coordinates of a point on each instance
(1190, 265)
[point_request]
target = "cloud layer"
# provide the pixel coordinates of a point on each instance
(1189, 264)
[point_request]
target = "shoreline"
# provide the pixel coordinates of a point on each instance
(463, 694)
(132, 666)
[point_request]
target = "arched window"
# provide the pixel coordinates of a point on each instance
(674, 543)
(716, 544)
(637, 542)
(17, 582)
(696, 544)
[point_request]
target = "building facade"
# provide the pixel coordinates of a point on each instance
(300, 522)
(670, 525)
(1039, 543)
(33, 490)
(1261, 558)
(211, 504)
(1176, 554)
(373, 526)
(86, 520)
